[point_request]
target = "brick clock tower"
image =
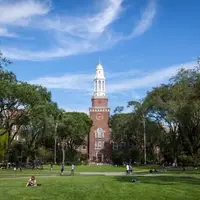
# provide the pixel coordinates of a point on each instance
(99, 138)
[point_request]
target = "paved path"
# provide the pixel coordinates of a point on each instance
(81, 173)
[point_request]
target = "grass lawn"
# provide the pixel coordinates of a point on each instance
(56, 170)
(102, 188)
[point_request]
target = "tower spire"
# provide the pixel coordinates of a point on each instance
(99, 81)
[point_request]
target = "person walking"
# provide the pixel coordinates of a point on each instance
(130, 169)
(127, 169)
(72, 170)
(51, 166)
(62, 169)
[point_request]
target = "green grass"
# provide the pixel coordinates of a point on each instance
(173, 184)
(78, 169)
(102, 188)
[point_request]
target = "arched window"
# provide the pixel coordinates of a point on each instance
(100, 133)
(96, 85)
(99, 85)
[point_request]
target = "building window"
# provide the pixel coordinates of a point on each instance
(96, 86)
(99, 133)
(115, 146)
(99, 85)
(99, 144)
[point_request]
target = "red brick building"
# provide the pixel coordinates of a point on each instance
(99, 141)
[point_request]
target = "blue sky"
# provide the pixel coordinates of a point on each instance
(57, 43)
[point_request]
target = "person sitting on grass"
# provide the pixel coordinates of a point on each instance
(31, 182)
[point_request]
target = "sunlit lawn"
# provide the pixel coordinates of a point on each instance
(56, 170)
(78, 169)
(102, 188)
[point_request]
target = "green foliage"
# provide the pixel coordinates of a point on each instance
(72, 132)
(177, 105)
(74, 128)
(44, 154)
(169, 115)
(128, 128)
(25, 109)
(3, 145)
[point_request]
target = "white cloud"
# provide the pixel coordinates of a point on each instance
(146, 20)
(85, 26)
(4, 33)
(19, 12)
(144, 23)
(76, 109)
(116, 82)
(150, 80)
(79, 81)
(72, 35)
(68, 81)
(112, 75)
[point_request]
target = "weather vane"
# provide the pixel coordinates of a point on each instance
(99, 60)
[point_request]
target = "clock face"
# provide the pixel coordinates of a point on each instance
(99, 116)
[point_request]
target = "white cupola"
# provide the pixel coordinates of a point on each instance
(99, 81)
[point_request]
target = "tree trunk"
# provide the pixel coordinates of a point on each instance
(7, 159)
(27, 159)
(63, 152)
(145, 148)
(175, 162)
(55, 143)
(55, 150)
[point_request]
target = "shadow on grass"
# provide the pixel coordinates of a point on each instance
(160, 180)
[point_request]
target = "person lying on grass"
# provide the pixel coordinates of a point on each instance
(31, 182)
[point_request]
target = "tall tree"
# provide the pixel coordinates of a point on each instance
(39, 125)
(140, 108)
(175, 106)
(72, 131)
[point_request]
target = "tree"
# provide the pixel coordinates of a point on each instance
(163, 111)
(186, 91)
(128, 128)
(140, 108)
(18, 100)
(3, 146)
(39, 125)
(72, 131)
(16, 104)
(175, 106)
